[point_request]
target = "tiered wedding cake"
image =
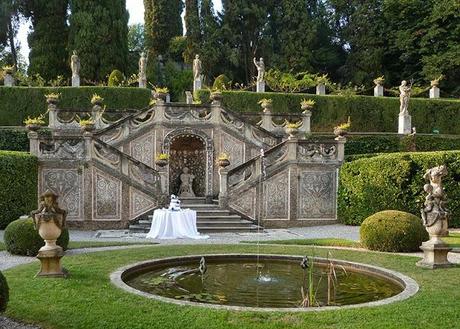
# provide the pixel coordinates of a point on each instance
(174, 204)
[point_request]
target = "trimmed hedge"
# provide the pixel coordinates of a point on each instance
(393, 231)
(20, 102)
(21, 238)
(18, 181)
(394, 181)
(14, 139)
(368, 114)
(4, 293)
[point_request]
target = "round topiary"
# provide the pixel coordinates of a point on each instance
(21, 238)
(394, 231)
(4, 293)
(115, 78)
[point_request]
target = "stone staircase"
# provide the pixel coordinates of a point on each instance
(210, 218)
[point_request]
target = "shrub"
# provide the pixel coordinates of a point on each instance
(18, 181)
(14, 139)
(368, 114)
(4, 293)
(20, 102)
(222, 82)
(202, 96)
(394, 181)
(115, 78)
(393, 231)
(21, 238)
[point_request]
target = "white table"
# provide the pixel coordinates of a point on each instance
(169, 224)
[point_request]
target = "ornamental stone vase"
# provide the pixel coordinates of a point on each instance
(292, 132)
(223, 163)
(161, 162)
(33, 127)
(49, 221)
(339, 132)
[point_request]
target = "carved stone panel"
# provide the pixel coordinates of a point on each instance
(106, 196)
(317, 195)
(234, 148)
(244, 202)
(68, 185)
(143, 150)
(139, 203)
(276, 197)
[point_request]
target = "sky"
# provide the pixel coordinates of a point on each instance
(136, 15)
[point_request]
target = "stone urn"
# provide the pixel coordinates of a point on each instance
(49, 221)
(52, 100)
(306, 108)
(89, 127)
(292, 131)
(216, 97)
(33, 127)
(161, 162)
(340, 132)
(223, 162)
(161, 96)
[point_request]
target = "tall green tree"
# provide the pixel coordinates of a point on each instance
(48, 39)
(9, 26)
(193, 30)
(210, 47)
(99, 33)
(163, 21)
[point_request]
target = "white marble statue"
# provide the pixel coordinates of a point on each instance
(142, 71)
(75, 67)
(260, 69)
(197, 68)
(186, 181)
(404, 97)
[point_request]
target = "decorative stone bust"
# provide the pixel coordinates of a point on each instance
(186, 182)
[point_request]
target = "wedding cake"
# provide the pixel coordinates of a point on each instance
(174, 204)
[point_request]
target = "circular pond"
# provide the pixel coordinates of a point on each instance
(265, 282)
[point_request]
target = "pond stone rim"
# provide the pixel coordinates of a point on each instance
(409, 285)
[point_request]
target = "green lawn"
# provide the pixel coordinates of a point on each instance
(453, 240)
(94, 244)
(88, 299)
(314, 242)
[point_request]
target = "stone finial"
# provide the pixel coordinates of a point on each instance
(435, 217)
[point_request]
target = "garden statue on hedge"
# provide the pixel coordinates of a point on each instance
(405, 125)
(75, 66)
(260, 88)
(50, 220)
(142, 71)
(197, 70)
(435, 216)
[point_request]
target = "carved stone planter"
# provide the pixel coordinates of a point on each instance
(52, 100)
(216, 97)
(33, 127)
(339, 132)
(292, 132)
(223, 163)
(87, 127)
(49, 220)
(160, 96)
(161, 162)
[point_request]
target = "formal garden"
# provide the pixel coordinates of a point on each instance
(229, 164)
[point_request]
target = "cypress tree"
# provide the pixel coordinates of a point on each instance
(193, 34)
(99, 33)
(48, 40)
(210, 48)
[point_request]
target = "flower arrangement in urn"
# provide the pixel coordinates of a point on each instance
(160, 93)
(216, 95)
(162, 159)
(307, 104)
(8, 69)
(223, 160)
(379, 80)
(33, 124)
(342, 129)
(52, 98)
(266, 104)
(97, 100)
(435, 82)
(86, 124)
(292, 129)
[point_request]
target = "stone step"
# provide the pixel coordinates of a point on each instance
(197, 200)
(207, 228)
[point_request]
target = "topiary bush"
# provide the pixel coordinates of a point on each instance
(394, 231)
(21, 238)
(18, 181)
(115, 78)
(4, 293)
(394, 181)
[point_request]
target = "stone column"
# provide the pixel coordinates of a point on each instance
(266, 122)
(260, 86)
(341, 148)
(223, 188)
(321, 89)
(33, 142)
(75, 80)
(435, 92)
(164, 180)
(87, 137)
(305, 128)
(52, 116)
(215, 112)
(8, 80)
(197, 84)
(96, 116)
(292, 148)
(378, 90)
(404, 124)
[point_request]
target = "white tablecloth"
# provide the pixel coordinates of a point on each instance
(169, 224)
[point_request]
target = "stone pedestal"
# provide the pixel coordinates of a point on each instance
(8, 80)
(378, 91)
(51, 263)
(196, 84)
(435, 254)
(404, 124)
(434, 92)
(260, 86)
(143, 82)
(75, 81)
(320, 89)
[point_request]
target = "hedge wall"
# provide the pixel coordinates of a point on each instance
(368, 114)
(17, 103)
(18, 181)
(14, 139)
(394, 181)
